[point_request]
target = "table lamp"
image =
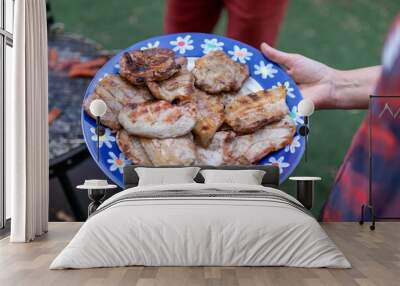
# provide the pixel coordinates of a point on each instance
(98, 108)
(305, 108)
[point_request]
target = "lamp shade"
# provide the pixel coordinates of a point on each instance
(98, 107)
(305, 107)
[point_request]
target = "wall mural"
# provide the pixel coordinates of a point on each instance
(156, 115)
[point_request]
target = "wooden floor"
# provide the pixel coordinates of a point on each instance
(375, 257)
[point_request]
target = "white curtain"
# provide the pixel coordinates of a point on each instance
(26, 124)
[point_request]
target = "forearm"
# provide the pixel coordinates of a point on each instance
(352, 88)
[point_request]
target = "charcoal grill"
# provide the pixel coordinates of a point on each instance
(66, 144)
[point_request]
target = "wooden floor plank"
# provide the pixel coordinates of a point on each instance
(375, 257)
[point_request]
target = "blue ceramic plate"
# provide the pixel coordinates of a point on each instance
(264, 74)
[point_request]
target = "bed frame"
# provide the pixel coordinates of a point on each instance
(271, 177)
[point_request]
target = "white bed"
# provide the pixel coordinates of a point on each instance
(222, 225)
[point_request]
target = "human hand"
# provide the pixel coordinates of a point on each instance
(315, 80)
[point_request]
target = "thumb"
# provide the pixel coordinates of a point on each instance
(277, 56)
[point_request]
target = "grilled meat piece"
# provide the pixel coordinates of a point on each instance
(228, 97)
(158, 119)
(216, 72)
(218, 152)
(110, 118)
(248, 113)
(123, 91)
(141, 66)
(130, 145)
(210, 116)
(180, 86)
(116, 93)
(248, 149)
(170, 151)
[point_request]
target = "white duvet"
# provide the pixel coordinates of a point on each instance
(191, 231)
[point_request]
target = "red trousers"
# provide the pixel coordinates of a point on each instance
(249, 21)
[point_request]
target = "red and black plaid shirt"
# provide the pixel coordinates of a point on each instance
(352, 181)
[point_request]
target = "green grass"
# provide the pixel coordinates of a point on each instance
(344, 34)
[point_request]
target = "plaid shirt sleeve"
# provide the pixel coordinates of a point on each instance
(351, 185)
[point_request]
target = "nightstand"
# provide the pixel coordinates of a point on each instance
(96, 192)
(305, 190)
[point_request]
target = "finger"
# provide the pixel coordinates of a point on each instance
(276, 55)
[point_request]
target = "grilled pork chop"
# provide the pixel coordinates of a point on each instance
(218, 152)
(216, 72)
(123, 91)
(130, 145)
(180, 86)
(158, 119)
(110, 118)
(141, 66)
(228, 97)
(248, 113)
(170, 151)
(210, 116)
(250, 148)
(116, 93)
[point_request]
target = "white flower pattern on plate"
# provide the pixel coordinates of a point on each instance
(294, 115)
(210, 45)
(105, 139)
(280, 163)
(241, 54)
(265, 70)
(117, 163)
(150, 45)
(292, 146)
(286, 85)
(182, 44)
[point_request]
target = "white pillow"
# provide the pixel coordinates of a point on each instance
(248, 177)
(165, 176)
